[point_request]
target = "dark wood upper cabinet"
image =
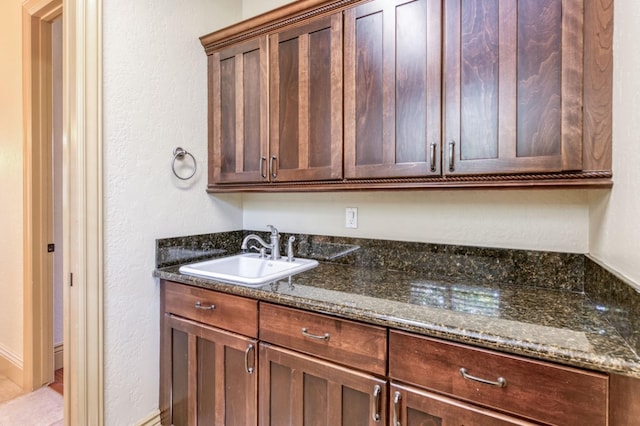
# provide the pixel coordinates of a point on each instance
(238, 113)
(386, 94)
(306, 101)
(513, 86)
(392, 89)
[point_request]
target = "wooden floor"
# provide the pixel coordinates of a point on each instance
(58, 384)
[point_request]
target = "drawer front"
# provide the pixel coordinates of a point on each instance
(232, 313)
(346, 342)
(537, 390)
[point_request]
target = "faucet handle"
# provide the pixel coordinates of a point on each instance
(273, 229)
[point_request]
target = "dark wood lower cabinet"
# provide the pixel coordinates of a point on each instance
(211, 376)
(296, 389)
(416, 407)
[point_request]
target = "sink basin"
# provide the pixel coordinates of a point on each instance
(248, 269)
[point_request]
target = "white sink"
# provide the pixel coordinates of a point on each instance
(248, 269)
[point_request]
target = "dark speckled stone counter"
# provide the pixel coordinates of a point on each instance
(539, 321)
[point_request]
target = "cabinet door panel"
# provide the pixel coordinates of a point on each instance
(296, 389)
(392, 89)
(306, 101)
(179, 377)
(238, 113)
(210, 383)
(416, 407)
(513, 86)
(539, 77)
(206, 394)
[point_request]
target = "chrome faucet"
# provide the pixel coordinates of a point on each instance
(274, 246)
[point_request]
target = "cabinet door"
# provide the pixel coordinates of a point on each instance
(209, 376)
(238, 111)
(393, 89)
(298, 390)
(513, 86)
(306, 101)
(415, 407)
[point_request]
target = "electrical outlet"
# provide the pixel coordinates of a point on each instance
(351, 217)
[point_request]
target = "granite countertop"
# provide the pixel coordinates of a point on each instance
(548, 324)
(559, 307)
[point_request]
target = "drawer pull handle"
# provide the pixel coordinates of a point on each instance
(306, 333)
(199, 305)
(396, 409)
(501, 382)
(377, 390)
(250, 349)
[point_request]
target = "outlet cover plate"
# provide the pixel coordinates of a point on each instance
(351, 217)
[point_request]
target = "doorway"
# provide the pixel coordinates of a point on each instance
(42, 76)
(57, 174)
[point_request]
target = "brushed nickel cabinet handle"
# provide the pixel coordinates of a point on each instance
(272, 166)
(396, 409)
(199, 305)
(432, 159)
(263, 163)
(377, 390)
(250, 349)
(305, 333)
(452, 151)
(501, 382)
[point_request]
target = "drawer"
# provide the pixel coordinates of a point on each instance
(232, 313)
(346, 342)
(541, 391)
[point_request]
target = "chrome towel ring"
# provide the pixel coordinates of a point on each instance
(179, 154)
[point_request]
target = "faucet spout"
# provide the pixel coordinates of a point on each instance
(274, 246)
(255, 237)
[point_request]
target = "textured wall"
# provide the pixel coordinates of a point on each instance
(615, 228)
(11, 171)
(534, 220)
(255, 7)
(154, 100)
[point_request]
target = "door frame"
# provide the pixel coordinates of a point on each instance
(82, 204)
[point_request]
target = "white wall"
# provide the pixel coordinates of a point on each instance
(255, 7)
(11, 181)
(536, 220)
(155, 99)
(615, 215)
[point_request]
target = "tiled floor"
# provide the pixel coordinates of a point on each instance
(8, 389)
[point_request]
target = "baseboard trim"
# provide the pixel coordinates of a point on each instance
(152, 419)
(58, 356)
(9, 369)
